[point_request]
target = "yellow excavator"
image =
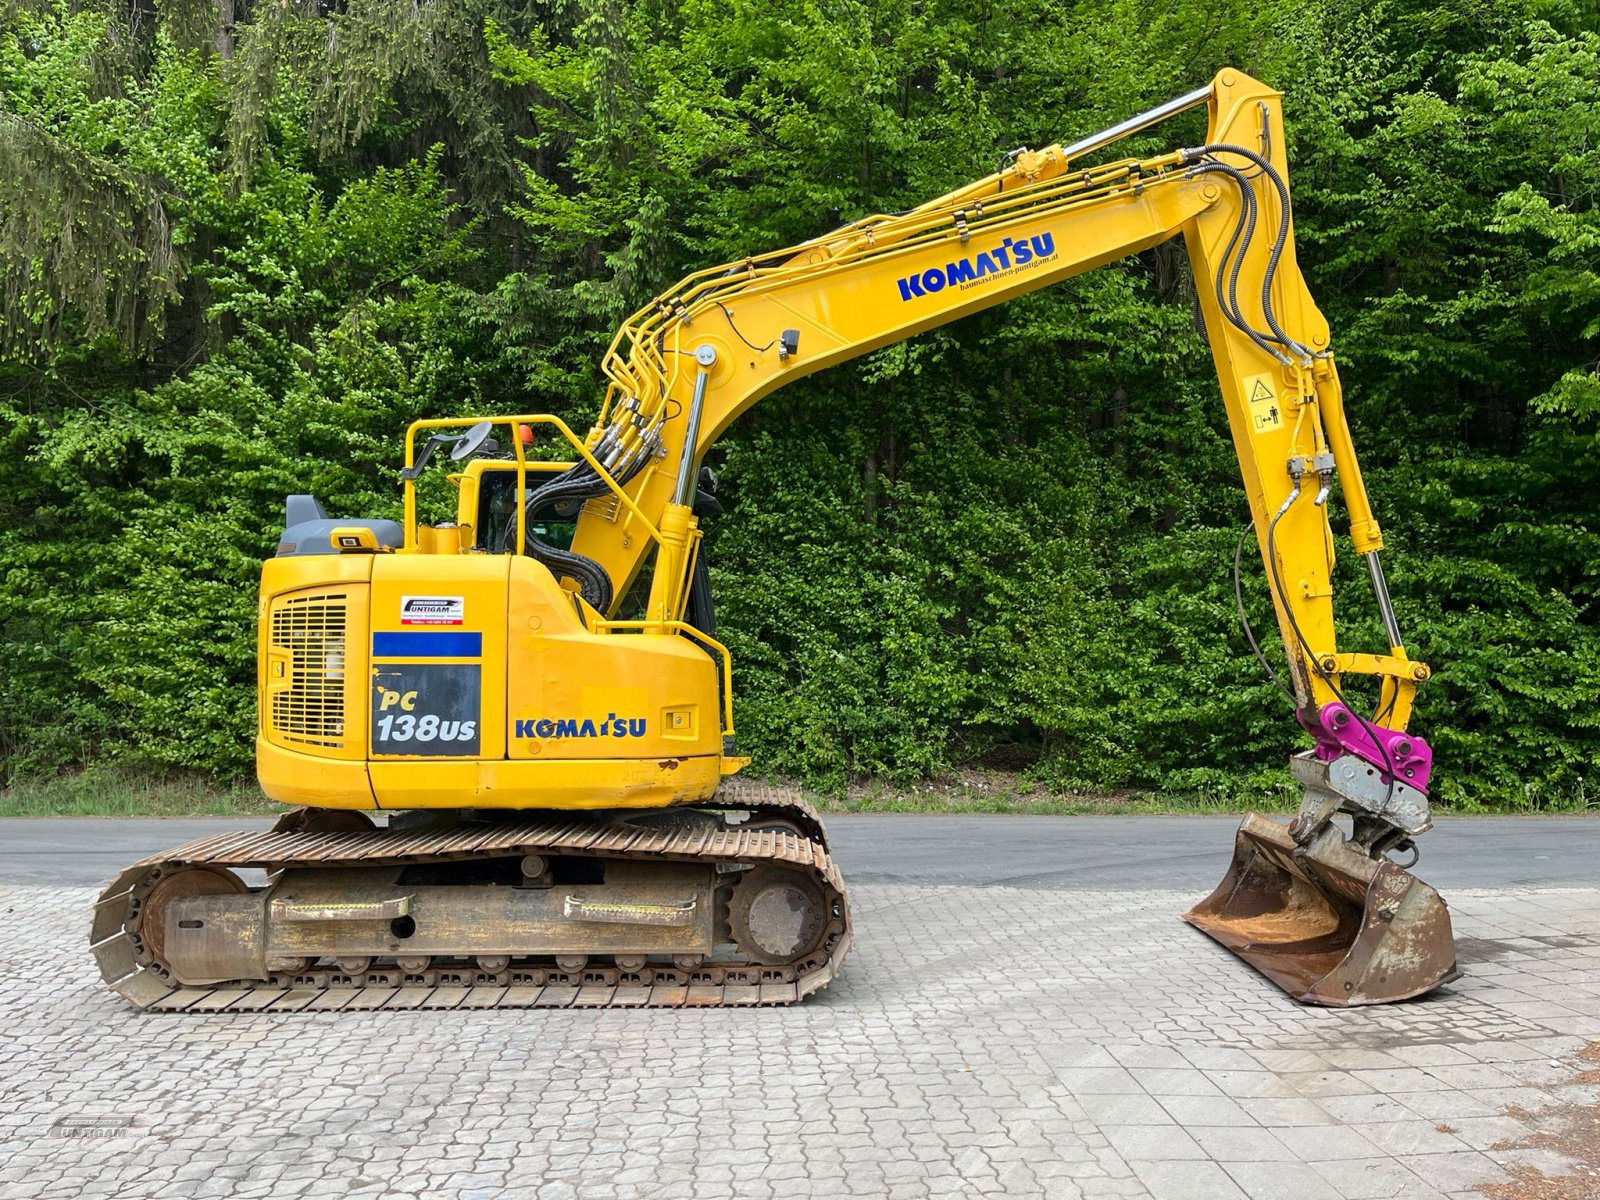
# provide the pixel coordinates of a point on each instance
(564, 826)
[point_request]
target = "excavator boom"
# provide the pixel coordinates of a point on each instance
(569, 824)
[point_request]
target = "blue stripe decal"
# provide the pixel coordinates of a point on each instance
(427, 643)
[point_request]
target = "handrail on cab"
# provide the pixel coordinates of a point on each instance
(410, 494)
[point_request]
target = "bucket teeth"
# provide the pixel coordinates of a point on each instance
(1326, 923)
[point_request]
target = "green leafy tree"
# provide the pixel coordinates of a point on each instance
(243, 245)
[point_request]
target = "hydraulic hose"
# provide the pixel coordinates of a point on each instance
(1280, 239)
(1282, 594)
(1232, 260)
(579, 483)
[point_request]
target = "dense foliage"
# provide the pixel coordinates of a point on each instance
(243, 245)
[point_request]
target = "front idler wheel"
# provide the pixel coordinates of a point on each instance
(181, 884)
(776, 915)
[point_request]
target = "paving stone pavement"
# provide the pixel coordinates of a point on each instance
(982, 1042)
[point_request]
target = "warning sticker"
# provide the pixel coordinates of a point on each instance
(1266, 414)
(432, 610)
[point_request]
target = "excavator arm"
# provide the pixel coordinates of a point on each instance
(683, 368)
(686, 366)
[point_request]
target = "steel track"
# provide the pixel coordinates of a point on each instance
(130, 969)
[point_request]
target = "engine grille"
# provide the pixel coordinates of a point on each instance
(311, 629)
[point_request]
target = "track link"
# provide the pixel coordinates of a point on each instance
(130, 968)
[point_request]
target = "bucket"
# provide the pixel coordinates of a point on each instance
(1325, 922)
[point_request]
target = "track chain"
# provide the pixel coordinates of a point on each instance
(771, 802)
(131, 970)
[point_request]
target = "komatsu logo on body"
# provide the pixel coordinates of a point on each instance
(1010, 255)
(573, 727)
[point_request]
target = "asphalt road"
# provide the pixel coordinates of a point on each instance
(1057, 853)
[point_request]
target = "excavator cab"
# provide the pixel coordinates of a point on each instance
(498, 494)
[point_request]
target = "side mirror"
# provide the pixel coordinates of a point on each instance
(470, 442)
(461, 446)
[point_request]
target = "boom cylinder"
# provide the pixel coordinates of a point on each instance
(683, 494)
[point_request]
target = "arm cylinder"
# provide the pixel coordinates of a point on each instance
(1144, 120)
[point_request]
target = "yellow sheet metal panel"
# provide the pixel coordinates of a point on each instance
(438, 656)
(572, 694)
(291, 777)
(312, 654)
(572, 783)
